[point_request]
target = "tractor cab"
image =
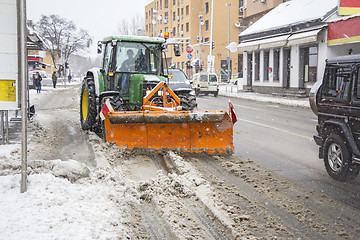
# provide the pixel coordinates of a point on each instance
(131, 64)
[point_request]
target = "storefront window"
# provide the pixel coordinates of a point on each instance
(257, 66)
(308, 63)
(276, 68)
(266, 65)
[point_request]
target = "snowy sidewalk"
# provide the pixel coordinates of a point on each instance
(231, 91)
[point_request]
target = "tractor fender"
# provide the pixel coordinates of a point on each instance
(95, 74)
(346, 131)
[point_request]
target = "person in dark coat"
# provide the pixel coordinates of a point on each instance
(37, 82)
(54, 78)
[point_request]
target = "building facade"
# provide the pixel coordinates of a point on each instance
(182, 19)
(285, 50)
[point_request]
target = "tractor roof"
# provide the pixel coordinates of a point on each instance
(129, 38)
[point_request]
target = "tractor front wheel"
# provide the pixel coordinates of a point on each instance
(88, 109)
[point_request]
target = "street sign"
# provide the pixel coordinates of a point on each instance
(189, 56)
(189, 49)
(8, 56)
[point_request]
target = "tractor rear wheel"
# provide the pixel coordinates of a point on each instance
(88, 108)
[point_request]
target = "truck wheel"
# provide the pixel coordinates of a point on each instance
(88, 107)
(192, 103)
(184, 102)
(337, 158)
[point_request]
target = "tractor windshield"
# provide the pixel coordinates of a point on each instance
(136, 57)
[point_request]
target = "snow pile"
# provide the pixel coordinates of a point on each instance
(304, 102)
(64, 200)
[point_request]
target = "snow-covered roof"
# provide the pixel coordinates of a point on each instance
(291, 13)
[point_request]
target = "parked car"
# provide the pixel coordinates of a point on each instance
(337, 104)
(182, 88)
(205, 83)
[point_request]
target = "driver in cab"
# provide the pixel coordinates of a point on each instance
(129, 64)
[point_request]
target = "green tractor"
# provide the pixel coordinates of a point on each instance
(132, 65)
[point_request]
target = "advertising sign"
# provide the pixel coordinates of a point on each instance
(8, 55)
(349, 7)
(344, 32)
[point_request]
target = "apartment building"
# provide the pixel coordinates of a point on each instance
(182, 19)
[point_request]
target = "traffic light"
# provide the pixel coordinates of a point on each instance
(213, 45)
(188, 65)
(66, 65)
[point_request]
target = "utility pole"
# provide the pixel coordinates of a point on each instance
(200, 38)
(23, 75)
(228, 58)
(212, 26)
(211, 59)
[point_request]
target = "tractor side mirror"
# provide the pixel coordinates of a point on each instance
(177, 50)
(99, 47)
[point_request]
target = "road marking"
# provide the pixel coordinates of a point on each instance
(274, 128)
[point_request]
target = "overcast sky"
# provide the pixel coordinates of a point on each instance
(99, 17)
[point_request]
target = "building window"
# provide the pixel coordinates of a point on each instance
(174, 2)
(166, 17)
(147, 28)
(166, 29)
(206, 40)
(187, 27)
(166, 3)
(308, 63)
(187, 10)
(207, 8)
(276, 68)
(182, 13)
(257, 66)
(266, 65)
(174, 16)
(146, 16)
(207, 25)
(174, 31)
(160, 4)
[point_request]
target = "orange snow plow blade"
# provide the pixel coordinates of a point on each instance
(188, 131)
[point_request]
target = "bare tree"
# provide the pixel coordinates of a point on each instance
(62, 35)
(133, 26)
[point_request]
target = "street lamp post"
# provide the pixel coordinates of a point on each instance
(228, 58)
(200, 38)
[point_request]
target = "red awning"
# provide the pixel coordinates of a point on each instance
(344, 31)
(349, 7)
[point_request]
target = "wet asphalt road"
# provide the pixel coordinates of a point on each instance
(280, 138)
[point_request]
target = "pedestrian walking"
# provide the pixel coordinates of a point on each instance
(54, 78)
(37, 81)
(69, 78)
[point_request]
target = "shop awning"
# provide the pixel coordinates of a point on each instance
(273, 42)
(344, 31)
(248, 46)
(303, 37)
(266, 43)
